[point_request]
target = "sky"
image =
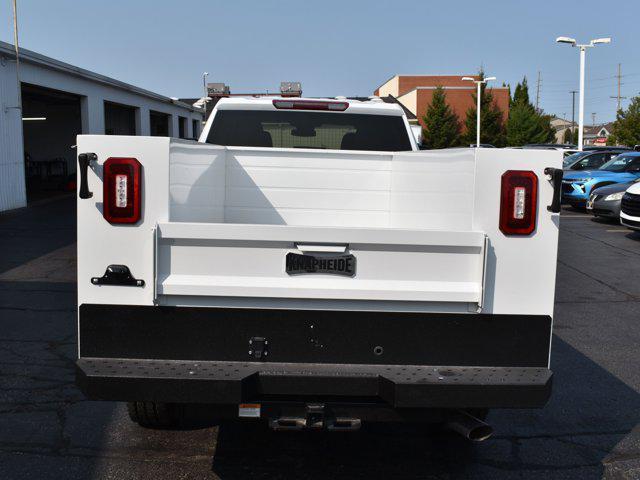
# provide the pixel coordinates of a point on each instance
(346, 47)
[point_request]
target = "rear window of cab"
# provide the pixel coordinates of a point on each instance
(316, 130)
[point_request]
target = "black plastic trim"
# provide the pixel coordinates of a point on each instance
(314, 336)
(555, 175)
(117, 275)
(84, 159)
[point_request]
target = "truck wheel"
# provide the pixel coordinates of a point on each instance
(155, 414)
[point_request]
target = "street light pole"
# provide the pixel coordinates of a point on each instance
(479, 92)
(478, 116)
(583, 52)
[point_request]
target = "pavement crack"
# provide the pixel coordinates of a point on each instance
(603, 242)
(629, 296)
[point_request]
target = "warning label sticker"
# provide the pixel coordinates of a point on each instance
(249, 410)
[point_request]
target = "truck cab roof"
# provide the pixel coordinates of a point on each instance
(375, 106)
(309, 123)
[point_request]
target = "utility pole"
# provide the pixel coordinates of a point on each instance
(17, 49)
(619, 97)
(593, 119)
(538, 92)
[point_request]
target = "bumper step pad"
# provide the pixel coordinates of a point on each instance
(399, 386)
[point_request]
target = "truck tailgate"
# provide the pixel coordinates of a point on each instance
(215, 259)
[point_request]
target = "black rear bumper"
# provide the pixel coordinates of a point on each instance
(392, 385)
(399, 360)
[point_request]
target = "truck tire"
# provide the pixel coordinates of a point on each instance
(155, 414)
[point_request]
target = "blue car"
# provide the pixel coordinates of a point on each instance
(577, 185)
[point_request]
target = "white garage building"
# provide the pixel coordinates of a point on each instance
(60, 101)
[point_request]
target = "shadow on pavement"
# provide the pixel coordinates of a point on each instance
(590, 412)
(29, 233)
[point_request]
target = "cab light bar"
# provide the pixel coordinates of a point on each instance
(121, 193)
(518, 202)
(310, 105)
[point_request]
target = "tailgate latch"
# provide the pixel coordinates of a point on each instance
(258, 347)
(118, 275)
(555, 177)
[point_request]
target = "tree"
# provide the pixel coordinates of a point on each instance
(525, 123)
(441, 125)
(626, 128)
(570, 136)
(548, 130)
(521, 93)
(491, 124)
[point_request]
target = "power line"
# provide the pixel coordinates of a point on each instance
(591, 79)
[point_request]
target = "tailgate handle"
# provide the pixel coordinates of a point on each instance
(84, 159)
(307, 247)
(555, 177)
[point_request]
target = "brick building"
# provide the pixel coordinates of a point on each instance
(416, 92)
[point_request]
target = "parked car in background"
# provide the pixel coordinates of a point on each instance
(555, 146)
(596, 148)
(630, 207)
(605, 201)
(573, 157)
(587, 160)
(577, 185)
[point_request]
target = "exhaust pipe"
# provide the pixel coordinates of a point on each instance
(469, 426)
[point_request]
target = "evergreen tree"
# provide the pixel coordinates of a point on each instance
(525, 124)
(568, 136)
(491, 124)
(521, 93)
(441, 125)
(548, 132)
(626, 128)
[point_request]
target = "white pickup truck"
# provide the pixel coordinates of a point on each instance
(306, 264)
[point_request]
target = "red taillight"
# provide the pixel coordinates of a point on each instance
(310, 105)
(518, 201)
(121, 190)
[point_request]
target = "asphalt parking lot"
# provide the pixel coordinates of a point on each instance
(590, 429)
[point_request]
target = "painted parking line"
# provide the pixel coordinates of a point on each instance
(625, 230)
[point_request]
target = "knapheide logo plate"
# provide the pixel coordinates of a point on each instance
(343, 264)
